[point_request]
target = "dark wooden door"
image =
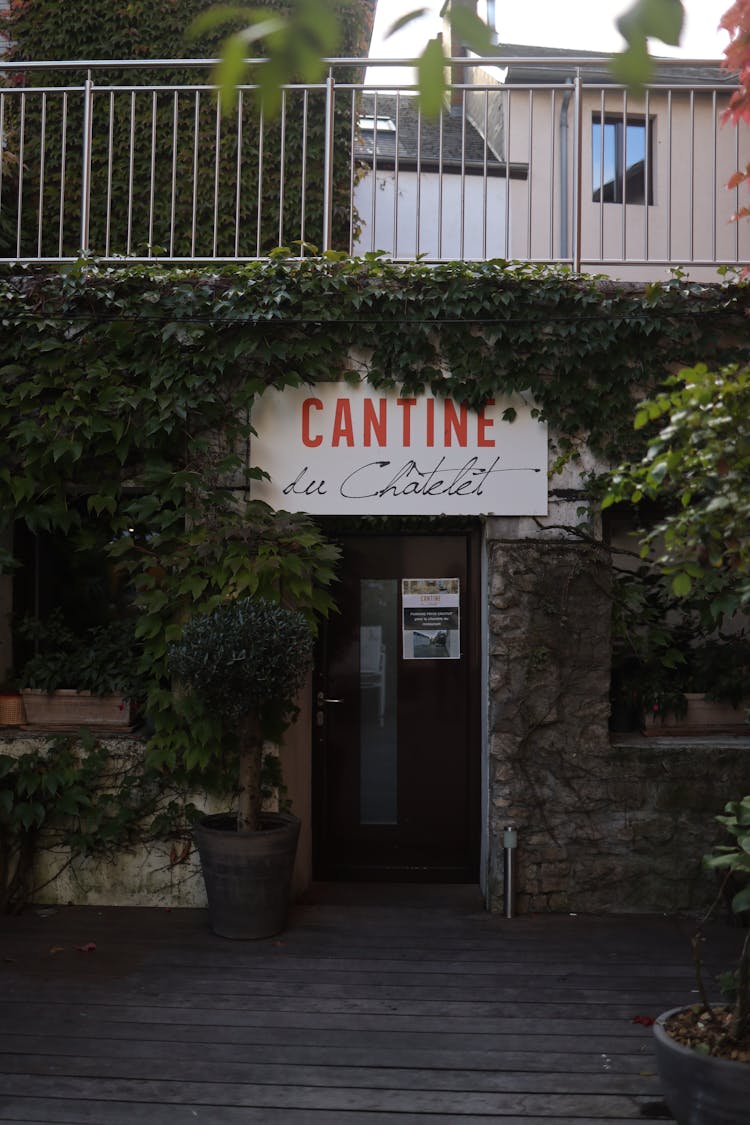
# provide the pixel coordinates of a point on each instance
(397, 747)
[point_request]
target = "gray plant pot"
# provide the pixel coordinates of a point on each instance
(699, 1089)
(248, 875)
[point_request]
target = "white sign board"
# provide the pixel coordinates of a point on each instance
(333, 449)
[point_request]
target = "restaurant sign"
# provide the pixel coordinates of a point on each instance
(334, 449)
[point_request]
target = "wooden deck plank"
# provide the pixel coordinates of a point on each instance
(228, 1047)
(201, 1069)
(51, 1112)
(233, 1012)
(338, 1100)
(389, 1044)
(358, 1013)
(572, 1004)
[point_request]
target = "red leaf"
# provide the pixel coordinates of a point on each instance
(646, 1021)
(89, 947)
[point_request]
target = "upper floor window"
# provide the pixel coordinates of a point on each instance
(621, 159)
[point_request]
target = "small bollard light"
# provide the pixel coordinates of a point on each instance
(510, 843)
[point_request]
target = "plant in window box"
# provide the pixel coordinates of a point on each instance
(246, 662)
(672, 670)
(703, 1050)
(81, 679)
(714, 687)
(649, 645)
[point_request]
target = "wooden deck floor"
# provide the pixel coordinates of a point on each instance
(376, 1005)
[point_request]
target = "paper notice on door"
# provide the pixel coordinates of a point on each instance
(431, 618)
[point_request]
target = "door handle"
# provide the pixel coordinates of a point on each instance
(321, 698)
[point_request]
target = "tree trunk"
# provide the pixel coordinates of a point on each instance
(251, 757)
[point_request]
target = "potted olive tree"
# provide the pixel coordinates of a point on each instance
(703, 1050)
(246, 661)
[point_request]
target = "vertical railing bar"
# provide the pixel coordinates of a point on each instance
(196, 137)
(552, 193)
(669, 175)
(440, 187)
(352, 141)
(217, 173)
(691, 208)
(2, 134)
(418, 215)
(714, 166)
(462, 221)
(42, 155)
(173, 202)
(2, 142)
(303, 184)
(259, 199)
(395, 173)
(63, 171)
(624, 181)
(88, 92)
(108, 204)
(282, 169)
(152, 177)
(528, 182)
(328, 163)
(647, 175)
(373, 204)
(577, 171)
(506, 156)
(238, 173)
(396, 170)
(735, 223)
(21, 146)
(130, 172)
(602, 130)
(485, 173)
(507, 172)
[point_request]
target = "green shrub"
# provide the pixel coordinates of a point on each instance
(249, 654)
(246, 661)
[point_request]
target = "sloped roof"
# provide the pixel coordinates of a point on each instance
(450, 142)
(552, 69)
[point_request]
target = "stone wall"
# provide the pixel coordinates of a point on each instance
(162, 872)
(146, 872)
(602, 826)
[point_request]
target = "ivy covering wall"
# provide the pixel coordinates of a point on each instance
(116, 383)
(126, 397)
(204, 155)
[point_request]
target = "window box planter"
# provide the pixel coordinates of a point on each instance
(69, 708)
(703, 716)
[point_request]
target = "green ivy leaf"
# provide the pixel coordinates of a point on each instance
(653, 19)
(682, 584)
(474, 32)
(432, 80)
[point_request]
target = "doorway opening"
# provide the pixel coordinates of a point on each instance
(397, 744)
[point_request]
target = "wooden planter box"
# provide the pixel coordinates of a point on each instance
(704, 716)
(72, 709)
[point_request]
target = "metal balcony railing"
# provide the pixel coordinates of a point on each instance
(547, 161)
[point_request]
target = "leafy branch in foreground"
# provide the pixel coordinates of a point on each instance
(291, 46)
(696, 468)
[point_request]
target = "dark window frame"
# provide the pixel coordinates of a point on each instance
(636, 180)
